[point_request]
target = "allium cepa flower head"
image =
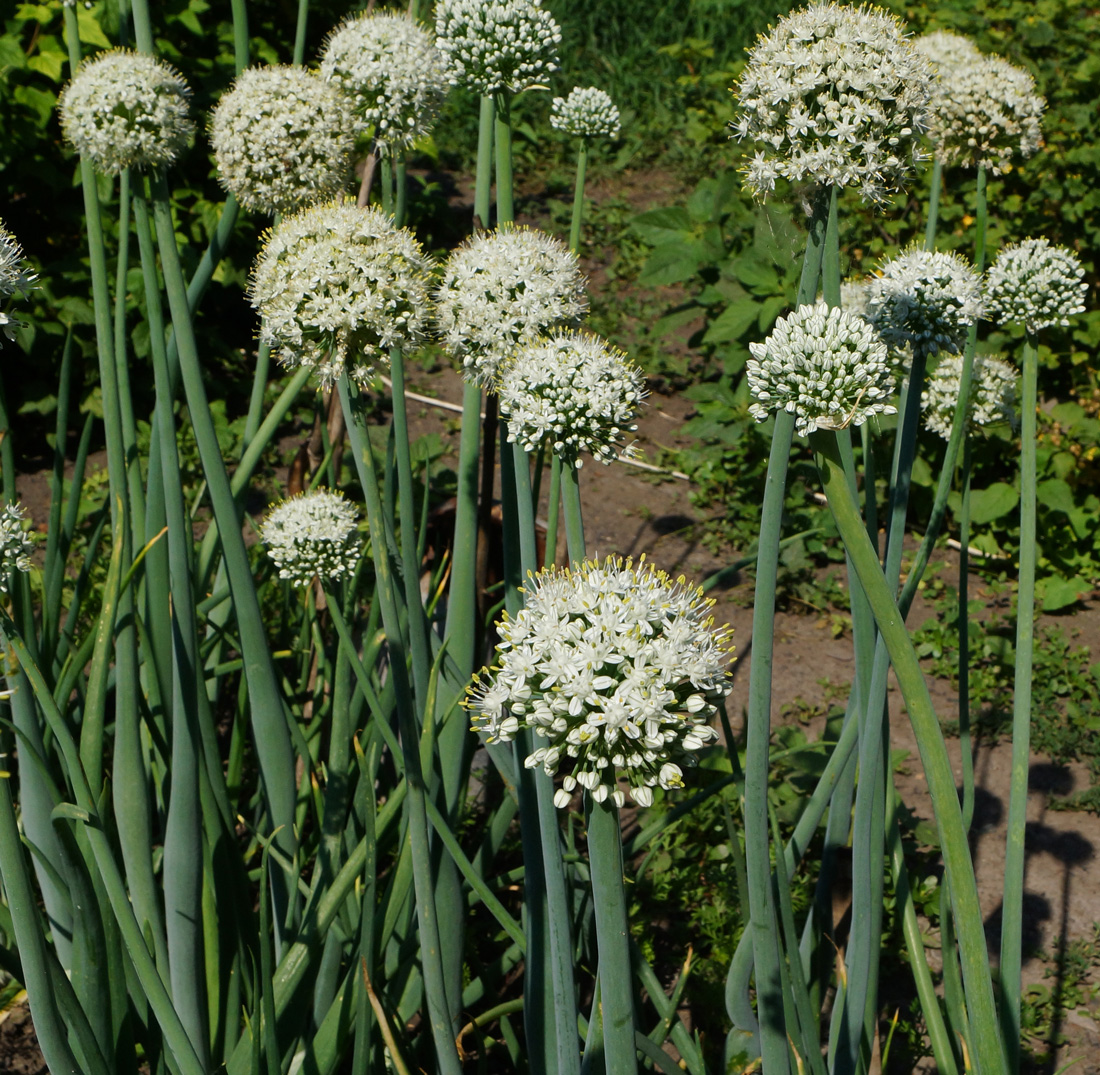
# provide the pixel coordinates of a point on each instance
(925, 300)
(993, 396)
(617, 667)
(126, 110)
(944, 49)
(573, 389)
(392, 71)
(495, 45)
(586, 113)
(15, 544)
(1035, 284)
(337, 287)
(504, 288)
(825, 366)
(835, 95)
(283, 138)
(985, 111)
(15, 278)
(312, 535)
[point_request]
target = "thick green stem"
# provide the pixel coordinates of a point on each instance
(578, 198)
(483, 189)
(300, 33)
(933, 206)
(965, 745)
(502, 132)
(574, 523)
(553, 511)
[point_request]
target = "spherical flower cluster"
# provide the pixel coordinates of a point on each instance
(985, 111)
(283, 138)
(1035, 284)
(126, 110)
(617, 667)
(504, 288)
(338, 287)
(944, 49)
(587, 113)
(835, 95)
(392, 71)
(494, 45)
(925, 300)
(855, 296)
(15, 278)
(574, 389)
(15, 544)
(312, 535)
(993, 395)
(825, 366)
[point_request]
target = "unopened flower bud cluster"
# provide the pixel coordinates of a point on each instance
(586, 113)
(828, 367)
(1035, 284)
(617, 667)
(574, 390)
(15, 278)
(283, 139)
(313, 535)
(835, 95)
(993, 396)
(15, 544)
(126, 110)
(494, 45)
(393, 72)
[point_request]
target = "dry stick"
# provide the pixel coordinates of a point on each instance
(369, 166)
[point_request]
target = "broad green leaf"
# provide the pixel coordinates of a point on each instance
(48, 62)
(91, 33)
(1056, 495)
(989, 504)
(757, 274)
(669, 264)
(655, 225)
(732, 322)
(1058, 593)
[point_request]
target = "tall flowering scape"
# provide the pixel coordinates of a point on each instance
(834, 95)
(126, 110)
(1035, 284)
(313, 535)
(617, 667)
(339, 286)
(993, 394)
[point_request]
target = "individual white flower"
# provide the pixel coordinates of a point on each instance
(504, 288)
(925, 300)
(337, 287)
(126, 110)
(283, 138)
(944, 49)
(393, 73)
(494, 45)
(15, 278)
(312, 535)
(586, 113)
(835, 95)
(985, 111)
(1035, 284)
(573, 389)
(825, 366)
(993, 396)
(15, 544)
(617, 667)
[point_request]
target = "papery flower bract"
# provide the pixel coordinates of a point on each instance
(15, 278)
(15, 544)
(126, 110)
(835, 95)
(993, 396)
(925, 299)
(617, 667)
(337, 287)
(494, 45)
(944, 49)
(586, 113)
(825, 366)
(984, 111)
(504, 288)
(1035, 284)
(283, 139)
(312, 535)
(393, 73)
(573, 389)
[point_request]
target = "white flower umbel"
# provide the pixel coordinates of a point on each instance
(944, 49)
(393, 73)
(15, 544)
(985, 111)
(126, 110)
(993, 395)
(337, 287)
(573, 389)
(586, 113)
(834, 95)
(495, 45)
(618, 667)
(283, 138)
(925, 299)
(1035, 284)
(825, 366)
(854, 296)
(16, 280)
(312, 535)
(504, 288)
